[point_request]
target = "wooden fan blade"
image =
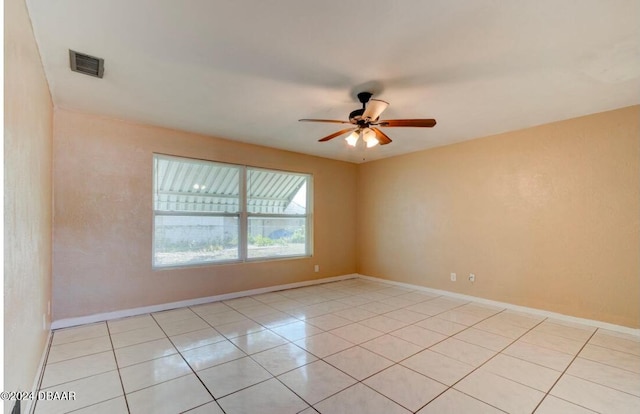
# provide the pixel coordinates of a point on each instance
(420, 123)
(336, 134)
(333, 121)
(383, 139)
(374, 108)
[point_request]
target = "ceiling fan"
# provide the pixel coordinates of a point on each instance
(366, 121)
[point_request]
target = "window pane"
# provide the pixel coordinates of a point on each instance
(180, 240)
(183, 184)
(275, 192)
(276, 236)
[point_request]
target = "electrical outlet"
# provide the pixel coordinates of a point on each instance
(453, 277)
(316, 268)
(472, 277)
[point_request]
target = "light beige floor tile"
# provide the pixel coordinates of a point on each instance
(606, 375)
(316, 381)
(328, 322)
(257, 310)
(79, 333)
(82, 367)
(283, 358)
(405, 315)
(359, 399)
(210, 308)
(131, 323)
(174, 396)
(240, 328)
(554, 405)
(397, 302)
(355, 314)
(172, 328)
(539, 355)
(358, 362)
(480, 309)
(114, 406)
(196, 339)
(312, 299)
(442, 326)
(463, 351)
(144, 352)
(88, 391)
(285, 304)
(462, 316)
(137, 336)
(595, 397)
(145, 374)
(210, 355)
(355, 301)
(615, 341)
(437, 366)
(258, 341)
(296, 330)
(272, 320)
(323, 344)
(521, 319)
(419, 336)
(557, 343)
(500, 327)
(378, 307)
(77, 349)
(208, 408)
(455, 402)
(608, 356)
(269, 397)
(427, 308)
(406, 387)
(523, 372)
(581, 334)
(391, 347)
(173, 315)
(308, 312)
(232, 376)
(356, 333)
(239, 303)
(500, 392)
(484, 339)
(383, 324)
(373, 296)
(268, 297)
(222, 318)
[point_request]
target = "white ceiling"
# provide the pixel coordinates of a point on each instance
(248, 70)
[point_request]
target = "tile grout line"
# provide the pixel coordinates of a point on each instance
(564, 372)
(186, 362)
(478, 367)
(113, 350)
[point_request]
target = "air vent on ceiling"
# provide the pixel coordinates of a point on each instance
(86, 64)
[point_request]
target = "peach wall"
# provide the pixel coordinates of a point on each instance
(103, 217)
(546, 217)
(27, 202)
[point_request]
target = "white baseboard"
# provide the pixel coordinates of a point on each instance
(534, 311)
(100, 317)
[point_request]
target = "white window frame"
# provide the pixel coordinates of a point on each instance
(243, 215)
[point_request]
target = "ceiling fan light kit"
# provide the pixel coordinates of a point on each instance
(365, 121)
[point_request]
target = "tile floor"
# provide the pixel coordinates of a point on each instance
(353, 346)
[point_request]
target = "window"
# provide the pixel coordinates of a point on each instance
(210, 212)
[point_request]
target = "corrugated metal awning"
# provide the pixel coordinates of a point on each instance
(189, 185)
